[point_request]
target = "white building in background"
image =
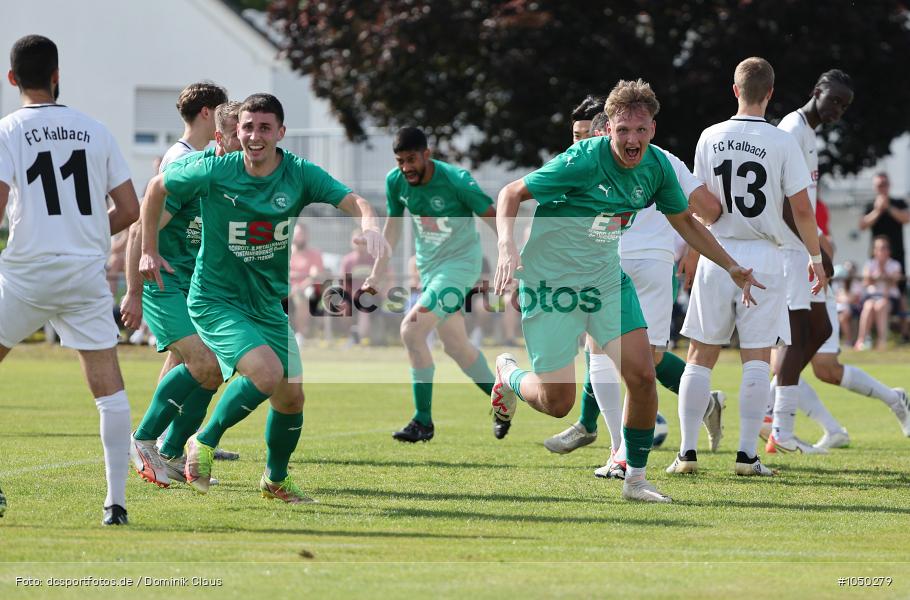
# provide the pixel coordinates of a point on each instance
(125, 61)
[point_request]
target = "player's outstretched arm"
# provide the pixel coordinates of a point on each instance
(131, 303)
(509, 261)
(356, 206)
(804, 219)
(699, 238)
(391, 231)
(125, 209)
(151, 263)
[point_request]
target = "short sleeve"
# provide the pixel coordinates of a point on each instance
(901, 204)
(189, 179)
(700, 164)
(572, 170)
(319, 186)
(393, 204)
(470, 193)
(687, 181)
(669, 196)
(796, 175)
(7, 171)
(118, 171)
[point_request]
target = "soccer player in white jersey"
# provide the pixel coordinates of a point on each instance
(753, 167)
(831, 96)
(60, 165)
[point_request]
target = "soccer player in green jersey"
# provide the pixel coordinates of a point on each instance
(442, 200)
(248, 201)
(586, 196)
(190, 376)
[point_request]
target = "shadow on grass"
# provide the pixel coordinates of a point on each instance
(439, 496)
(903, 476)
(48, 434)
(428, 463)
(848, 508)
(412, 512)
(195, 530)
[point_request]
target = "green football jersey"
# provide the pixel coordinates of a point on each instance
(586, 201)
(178, 241)
(442, 211)
(247, 223)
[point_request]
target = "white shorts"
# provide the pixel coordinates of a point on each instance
(715, 307)
(71, 293)
(653, 281)
(832, 344)
(796, 274)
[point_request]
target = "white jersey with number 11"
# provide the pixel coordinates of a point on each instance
(59, 164)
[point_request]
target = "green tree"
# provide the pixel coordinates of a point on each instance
(510, 71)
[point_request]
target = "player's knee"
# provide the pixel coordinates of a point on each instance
(411, 333)
(640, 378)
(204, 368)
(290, 400)
(267, 378)
(826, 373)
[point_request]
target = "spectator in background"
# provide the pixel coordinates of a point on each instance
(886, 216)
(881, 276)
(848, 294)
(307, 273)
(358, 264)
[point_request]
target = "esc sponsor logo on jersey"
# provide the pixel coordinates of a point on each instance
(257, 233)
(609, 226)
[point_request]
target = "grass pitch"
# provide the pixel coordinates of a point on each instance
(462, 516)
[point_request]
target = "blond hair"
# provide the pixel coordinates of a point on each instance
(754, 77)
(225, 111)
(631, 96)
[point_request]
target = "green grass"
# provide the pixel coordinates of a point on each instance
(462, 516)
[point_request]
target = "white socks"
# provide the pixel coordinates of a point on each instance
(605, 381)
(753, 401)
(634, 474)
(857, 380)
(785, 403)
(115, 437)
(694, 396)
(811, 404)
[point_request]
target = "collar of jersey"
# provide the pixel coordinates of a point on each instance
(45, 105)
(748, 118)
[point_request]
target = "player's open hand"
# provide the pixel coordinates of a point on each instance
(150, 266)
(131, 310)
(376, 244)
(743, 278)
(817, 276)
(509, 262)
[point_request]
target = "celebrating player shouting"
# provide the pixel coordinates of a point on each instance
(586, 195)
(248, 201)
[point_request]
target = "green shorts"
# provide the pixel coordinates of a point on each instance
(552, 329)
(166, 313)
(231, 333)
(443, 292)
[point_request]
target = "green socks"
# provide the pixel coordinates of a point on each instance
(638, 446)
(589, 408)
(240, 399)
(168, 401)
(422, 388)
(515, 382)
(282, 432)
(670, 371)
(187, 422)
(481, 374)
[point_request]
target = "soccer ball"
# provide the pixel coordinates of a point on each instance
(661, 429)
